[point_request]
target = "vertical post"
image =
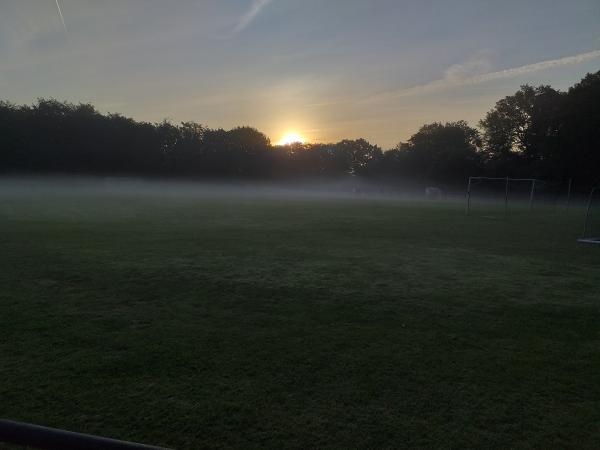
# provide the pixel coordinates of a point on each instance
(587, 213)
(569, 193)
(506, 198)
(468, 210)
(531, 195)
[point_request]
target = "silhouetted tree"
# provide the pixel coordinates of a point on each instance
(538, 131)
(546, 133)
(521, 131)
(441, 153)
(580, 130)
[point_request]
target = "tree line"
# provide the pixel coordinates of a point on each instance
(537, 132)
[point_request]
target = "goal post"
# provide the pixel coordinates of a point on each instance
(506, 181)
(591, 225)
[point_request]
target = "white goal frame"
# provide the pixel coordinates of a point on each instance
(507, 180)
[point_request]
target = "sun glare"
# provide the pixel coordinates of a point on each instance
(291, 138)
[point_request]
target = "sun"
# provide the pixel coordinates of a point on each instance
(292, 138)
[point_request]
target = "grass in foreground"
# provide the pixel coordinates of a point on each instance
(270, 323)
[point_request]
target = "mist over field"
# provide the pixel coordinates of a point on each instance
(488, 193)
(342, 188)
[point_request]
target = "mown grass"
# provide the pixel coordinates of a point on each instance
(272, 323)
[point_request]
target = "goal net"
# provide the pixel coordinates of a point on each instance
(488, 195)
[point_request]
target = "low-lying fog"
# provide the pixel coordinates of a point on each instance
(348, 187)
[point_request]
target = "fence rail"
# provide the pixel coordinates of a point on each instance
(46, 438)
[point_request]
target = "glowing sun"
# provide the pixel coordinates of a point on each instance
(291, 138)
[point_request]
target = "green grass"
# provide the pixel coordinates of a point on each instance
(245, 323)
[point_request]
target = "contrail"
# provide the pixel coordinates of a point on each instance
(62, 19)
(250, 15)
(454, 77)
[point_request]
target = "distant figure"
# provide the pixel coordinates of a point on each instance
(433, 193)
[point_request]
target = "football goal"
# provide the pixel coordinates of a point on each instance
(591, 226)
(491, 192)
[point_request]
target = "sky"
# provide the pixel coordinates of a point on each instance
(324, 69)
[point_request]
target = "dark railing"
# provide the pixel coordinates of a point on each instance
(46, 438)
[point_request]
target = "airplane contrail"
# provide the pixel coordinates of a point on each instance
(453, 78)
(250, 15)
(62, 19)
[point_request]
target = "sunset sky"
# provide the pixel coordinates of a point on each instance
(324, 69)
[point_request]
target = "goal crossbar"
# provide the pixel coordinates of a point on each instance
(505, 178)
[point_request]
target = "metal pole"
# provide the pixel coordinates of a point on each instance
(587, 213)
(54, 439)
(569, 193)
(531, 195)
(506, 198)
(468, 197)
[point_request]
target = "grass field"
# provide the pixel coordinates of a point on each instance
(272, 323)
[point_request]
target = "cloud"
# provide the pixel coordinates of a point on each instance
(476, 71)
(250, 15)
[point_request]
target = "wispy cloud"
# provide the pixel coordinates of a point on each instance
(250, 15)
(476, 71)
